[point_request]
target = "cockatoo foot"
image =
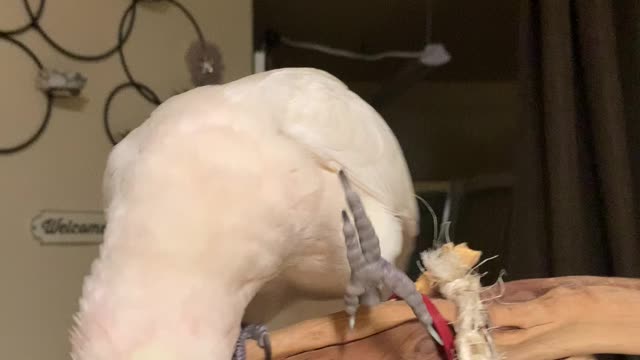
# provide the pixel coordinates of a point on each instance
(255, 332)
(364, 255)
(369, 270)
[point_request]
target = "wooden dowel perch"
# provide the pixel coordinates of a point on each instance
(532, 319)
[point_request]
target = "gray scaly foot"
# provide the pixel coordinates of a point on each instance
(369, 270)
(252, 332)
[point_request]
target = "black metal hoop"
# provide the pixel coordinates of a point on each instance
(35, 23)
(33, 18)
(49, 97)
(124, 32)
(136, 84)
(112, 94)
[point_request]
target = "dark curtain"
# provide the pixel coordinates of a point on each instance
(576, 193)
(574, 205)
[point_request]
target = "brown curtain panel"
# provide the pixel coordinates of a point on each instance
(576, 193)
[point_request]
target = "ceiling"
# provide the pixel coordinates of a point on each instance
(481, 36)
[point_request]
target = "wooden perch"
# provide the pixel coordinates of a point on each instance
(534, 319)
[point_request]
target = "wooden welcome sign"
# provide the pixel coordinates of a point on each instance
(66, 227)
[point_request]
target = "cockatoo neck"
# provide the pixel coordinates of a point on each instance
(138, 312)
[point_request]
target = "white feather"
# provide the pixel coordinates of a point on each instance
(225, 204)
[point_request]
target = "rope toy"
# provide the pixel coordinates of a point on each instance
(451, 268)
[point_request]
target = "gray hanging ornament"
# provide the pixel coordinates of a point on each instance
(204, 60)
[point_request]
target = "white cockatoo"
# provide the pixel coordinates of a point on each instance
(225, 205)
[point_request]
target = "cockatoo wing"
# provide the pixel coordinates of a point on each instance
(344, 132)
(321, 114)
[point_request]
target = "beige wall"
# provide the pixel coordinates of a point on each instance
(39, 285)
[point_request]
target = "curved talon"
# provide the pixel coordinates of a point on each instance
(265, 344)
(434, 334)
